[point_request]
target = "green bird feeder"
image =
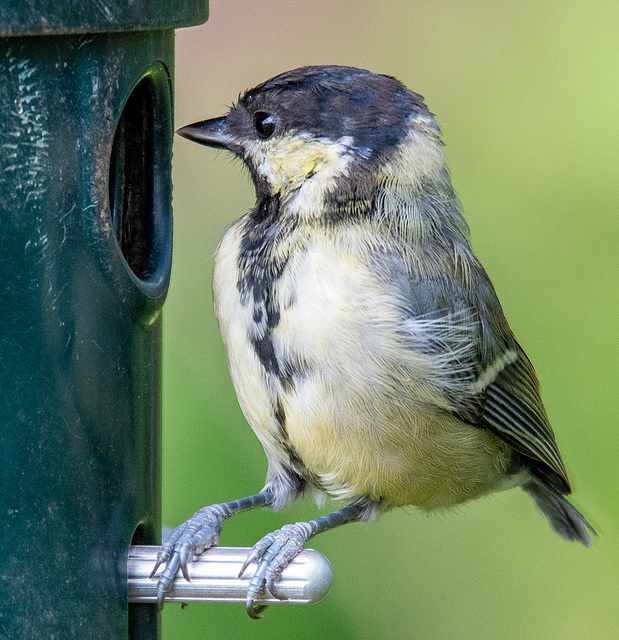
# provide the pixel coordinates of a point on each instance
(86, 237)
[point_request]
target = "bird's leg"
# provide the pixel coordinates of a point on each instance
(276, 550)
(196, 535)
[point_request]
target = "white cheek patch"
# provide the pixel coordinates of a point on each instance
(301, 168)
(264, 169)
(333, 163)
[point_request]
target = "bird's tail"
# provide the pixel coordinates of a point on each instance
(563, 517)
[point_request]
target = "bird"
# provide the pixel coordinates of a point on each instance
(366, 343)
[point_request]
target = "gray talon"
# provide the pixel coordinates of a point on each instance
(270, 584)
(197, 534)
(274, 552)
(191, 538)
(254, 611)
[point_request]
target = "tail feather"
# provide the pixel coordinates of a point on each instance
(563, 517)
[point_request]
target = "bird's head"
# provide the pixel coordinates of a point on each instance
(320, 135)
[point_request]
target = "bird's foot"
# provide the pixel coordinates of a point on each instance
(273, 552)
(189, 539)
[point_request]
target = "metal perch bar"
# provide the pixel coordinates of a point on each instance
(214, 577)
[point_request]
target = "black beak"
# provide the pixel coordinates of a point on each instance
(212, 133)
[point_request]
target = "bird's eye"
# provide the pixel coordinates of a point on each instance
(264, 123)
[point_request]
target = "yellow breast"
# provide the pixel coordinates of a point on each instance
(360, 413)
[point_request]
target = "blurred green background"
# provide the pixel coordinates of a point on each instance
(527, 95)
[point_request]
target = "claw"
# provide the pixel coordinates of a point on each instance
(201, 532)
(254, 611)
(160, 599)
(270, 584)
(253, 555)
(164, 553)
(274, 552)
(258, 550)
(157, 565)
(183, 560)
(192, 537)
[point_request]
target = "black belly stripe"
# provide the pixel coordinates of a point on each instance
(265, 351)
(259, 271)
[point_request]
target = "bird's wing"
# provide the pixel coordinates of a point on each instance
(514, 411)
(497, 387)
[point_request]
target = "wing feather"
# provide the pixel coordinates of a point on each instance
(503, 391)
(514, 411)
